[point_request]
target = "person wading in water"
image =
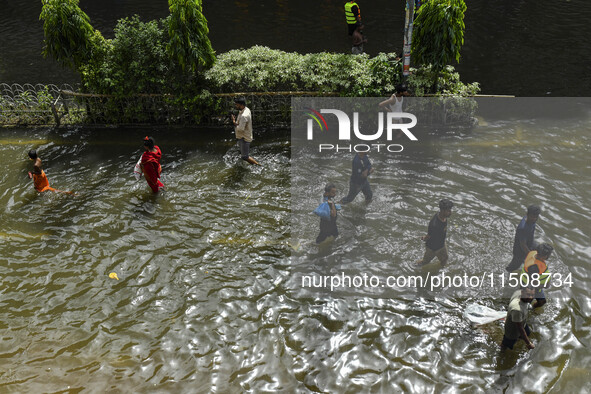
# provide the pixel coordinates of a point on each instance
(38, 175)
(243, 130)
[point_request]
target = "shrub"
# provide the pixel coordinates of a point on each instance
(259, 69)
(135, 61)
(420, 82)
(439, 33)
(264, 69)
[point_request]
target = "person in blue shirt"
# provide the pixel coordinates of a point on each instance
(358, 183)
(524, 238)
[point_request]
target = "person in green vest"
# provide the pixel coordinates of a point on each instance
(353, 15)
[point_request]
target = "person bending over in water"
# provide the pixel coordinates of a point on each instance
(150, 164)
(516, 321)
(38, 176)
(394, 104)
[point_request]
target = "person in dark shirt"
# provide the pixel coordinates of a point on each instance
(358, 183)
(435, 239)
(328, 227)
(524, 238)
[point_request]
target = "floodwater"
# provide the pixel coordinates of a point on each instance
(523, 48)
(197, 264)
(209, 295)
(402, 340)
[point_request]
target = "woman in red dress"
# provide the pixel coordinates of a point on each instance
(151, 164)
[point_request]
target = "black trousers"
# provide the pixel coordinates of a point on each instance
(354, 190)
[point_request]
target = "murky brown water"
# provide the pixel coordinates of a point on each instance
(208, 300)
(398, 340)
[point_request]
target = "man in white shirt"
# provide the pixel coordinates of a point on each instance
(243, 129)
(394, 103)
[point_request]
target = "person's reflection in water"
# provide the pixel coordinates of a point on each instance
(235, 177)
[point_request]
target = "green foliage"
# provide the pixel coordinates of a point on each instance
(453, 102)
(189, 43)
(264, 69)
(44, 99)
(142, 58)
(173, 58)
(135, 61)
(260, 69)
(438, 33)
(69, 37)
(420, 82)
(385, 70)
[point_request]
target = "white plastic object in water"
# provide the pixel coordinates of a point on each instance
(137, 170)
(480, 314)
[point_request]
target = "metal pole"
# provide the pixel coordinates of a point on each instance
(408, 22)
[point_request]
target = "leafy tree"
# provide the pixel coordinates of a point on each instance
(135, 61)
(69, 37)
(187, 28)
(438, 34)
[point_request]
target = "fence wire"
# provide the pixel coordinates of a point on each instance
(51, 104)
(28, 104)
